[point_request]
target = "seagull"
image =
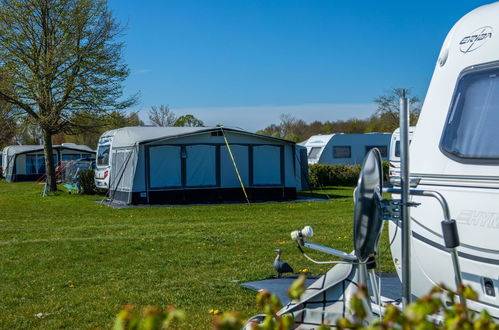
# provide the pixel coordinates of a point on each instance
(281, 266)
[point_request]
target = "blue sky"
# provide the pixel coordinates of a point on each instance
(243, 63)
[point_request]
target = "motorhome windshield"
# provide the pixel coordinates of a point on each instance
(103, 155)
(471, 130)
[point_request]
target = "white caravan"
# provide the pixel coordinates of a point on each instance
(394, 158)
(103, 159)
(455, 151)
(452, 234)
(345, 149)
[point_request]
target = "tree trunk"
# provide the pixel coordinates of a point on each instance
(49, 160)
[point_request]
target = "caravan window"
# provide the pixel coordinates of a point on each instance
(342, 152)
(397, 148)
(314, 152)
(103, 155)
(471, 129)
(382, 149)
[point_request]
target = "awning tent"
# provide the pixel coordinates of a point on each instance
(166, 165)
(27, 162)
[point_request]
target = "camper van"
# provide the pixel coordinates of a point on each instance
(103, 160)
(454, 151)
(394, 170)
(345, 149)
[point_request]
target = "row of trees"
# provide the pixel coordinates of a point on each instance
(385, 119)
(87, 128)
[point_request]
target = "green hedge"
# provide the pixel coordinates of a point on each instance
(86, 182)
(338, 175)
(333, 175)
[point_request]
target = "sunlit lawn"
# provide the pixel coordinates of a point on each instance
(67, 261)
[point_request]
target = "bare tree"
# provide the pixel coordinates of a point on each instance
(162, 116)
(388, 107)
(59, 58)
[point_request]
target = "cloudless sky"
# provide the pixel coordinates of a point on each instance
(242, 63)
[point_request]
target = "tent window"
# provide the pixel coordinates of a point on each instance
(314, 152)
(228, 173)
(165, 169)
(342, 152)
(266, 165)
(103, 155)
(201, 166)
(35, 163)
(382, 149)
(32, 164)
(70, 157)
(471, 128)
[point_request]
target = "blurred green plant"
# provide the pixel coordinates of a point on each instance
(150, 318)
(417, 315)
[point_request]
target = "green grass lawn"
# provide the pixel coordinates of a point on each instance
(78, 262)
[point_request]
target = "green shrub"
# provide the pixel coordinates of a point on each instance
(86, 182)
(338, 175)
(333, 175)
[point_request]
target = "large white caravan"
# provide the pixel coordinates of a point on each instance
(345, 149)
(455, 151)
(445, 228)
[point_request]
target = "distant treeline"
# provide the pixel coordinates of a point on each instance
(385, 119)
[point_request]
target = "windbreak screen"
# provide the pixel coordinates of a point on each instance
(228, 172)
(471, 131)
(201, 165)
(165, 166)
(267, 165)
